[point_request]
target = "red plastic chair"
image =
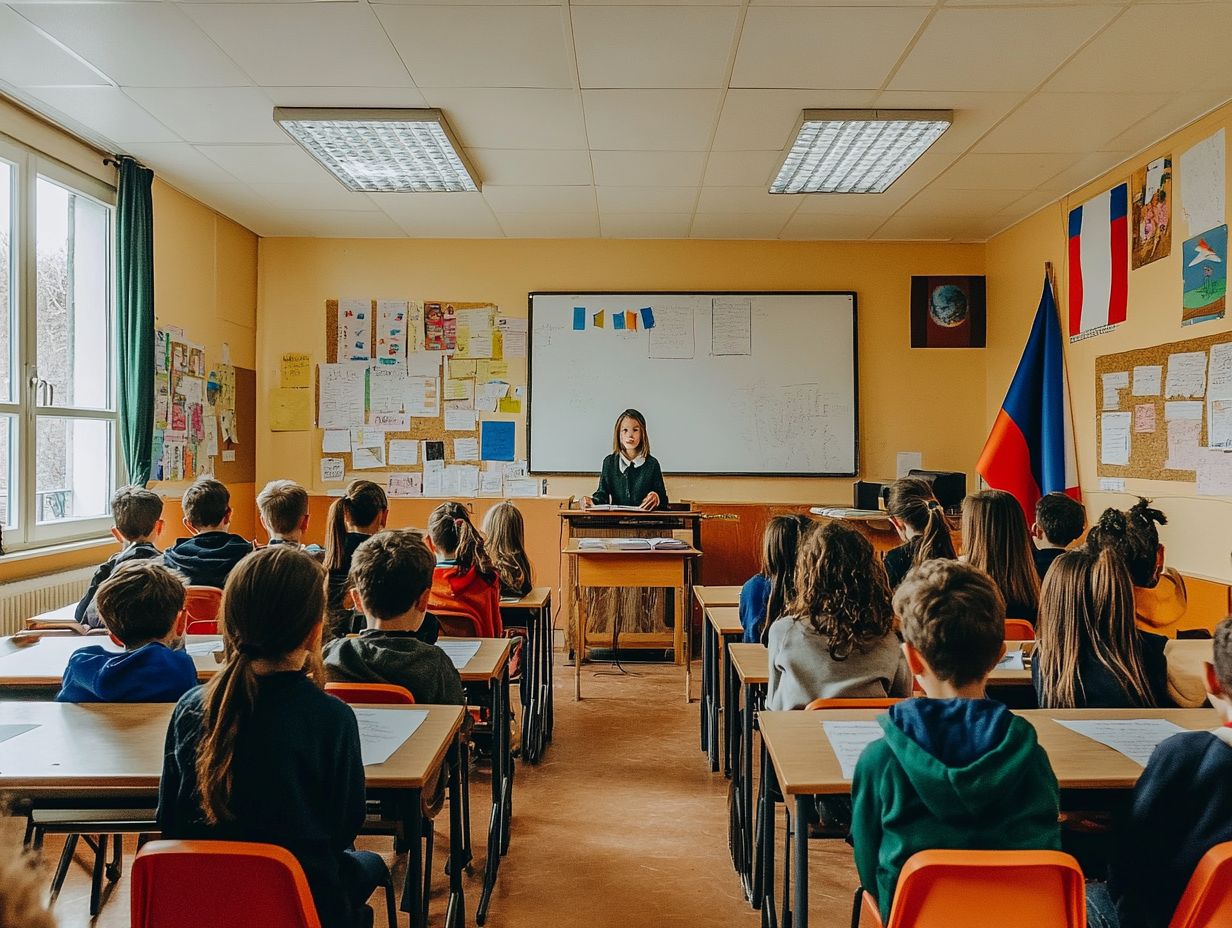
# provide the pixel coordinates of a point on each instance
(202, 603)
(961, 889)
(1019, 630)
(1207, 900)
(850, 703)
(455, 624)
(375, 694)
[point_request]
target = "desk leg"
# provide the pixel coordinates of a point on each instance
(730, 721)
(579, 639)
(704, 702)
(744, 793)
(800, 905)
(736, 825)
(765, 821)
(500, 786)
(683, 636)
(413, 901)
(550, 644)
(455, 915)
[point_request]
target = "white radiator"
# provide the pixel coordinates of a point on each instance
(21, 599)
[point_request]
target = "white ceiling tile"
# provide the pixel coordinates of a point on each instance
(649, 120)
(326, 193)
(653, 46)
(742, 168)
(746, 200)
(525, 167)
(328, 224)
(737, 225)
(997, 49)
(857, 3)
(267, 164)
(539, 199)
(822, 47)
(294, 44)
(829, 227)
(589, 3)
(472, 46)
(915, 229)
(1084, 170)
(28, 58)
(974, 112)
(1177, 113)
(1003, 171)
(138, 44)
(761, 120)
(958, 204)
(646, 199)
(648, 168)
(1070, 122)
(645, 225)
(359, 97)
(513, 118)
(181, 164)
(1020, 209)
(108, 112)
(550, 225)
(448, 215)
(230, 199)
(214, 115)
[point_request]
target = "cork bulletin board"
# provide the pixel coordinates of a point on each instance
(1158, 432)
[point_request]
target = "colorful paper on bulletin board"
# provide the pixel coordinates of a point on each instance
(354, 330)
(1204, 267)
(491, 370)
(434, 326)
(497, 440)
(294, 370)
(579, 318)
(290, 409)
(511, 405)
(648, 320)
(391, 331)
(434, 451)
(449, 329)
(462, 342)
(162, 400)
(162, 350)
(1151, 198)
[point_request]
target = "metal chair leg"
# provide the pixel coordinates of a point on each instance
(66, 858)
(116, 867)
(856, 906)
(96, 875)
(391, 911)
(429, 841)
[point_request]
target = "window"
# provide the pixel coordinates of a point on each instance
(58, 429)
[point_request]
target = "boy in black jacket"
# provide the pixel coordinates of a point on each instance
(138, 515)
(207, 556)
(1182, 807)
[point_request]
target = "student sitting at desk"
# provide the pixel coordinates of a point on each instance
(138, 515)
(765, 595)
(1059, 520)
(464, 580)
(283, 507)
(353, 518)
(506, 541)
(996, 540)
(630, 476)
(920, 521)
(211, 551)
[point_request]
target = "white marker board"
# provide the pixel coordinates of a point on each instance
(730, 383)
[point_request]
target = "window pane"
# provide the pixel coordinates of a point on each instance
(7, 293)
(74, 326)
(74, 468)
(8, 472)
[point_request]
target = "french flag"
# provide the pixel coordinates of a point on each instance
(1099, 262)
(1031, 449)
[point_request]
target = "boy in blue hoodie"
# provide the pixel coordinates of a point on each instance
(207, 556)
(138, 515)
(953, 770)
(142, 604)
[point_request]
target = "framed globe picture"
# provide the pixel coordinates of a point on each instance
(948, 312)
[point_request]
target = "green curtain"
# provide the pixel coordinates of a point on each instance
(135, 316)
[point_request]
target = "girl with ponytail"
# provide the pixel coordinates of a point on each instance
(261, 753)
(353, 518)
(920, 521)
(464, 580)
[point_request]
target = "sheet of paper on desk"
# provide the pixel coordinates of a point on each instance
(12, 731)
(383, 731)
(1011, 661)
(203, 647)
(848, 741)
(1135, 738)
(460, 650)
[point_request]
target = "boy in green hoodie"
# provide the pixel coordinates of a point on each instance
(953, 770)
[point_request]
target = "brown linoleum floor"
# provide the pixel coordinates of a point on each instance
(620, 824)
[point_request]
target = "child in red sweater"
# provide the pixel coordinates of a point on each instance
(464, 579)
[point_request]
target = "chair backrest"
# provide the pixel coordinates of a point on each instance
(961, 889)
(180, 884)
(456, 624)
(382, 694)
(202, 603)
(844, 703)
(1207, 900)
(1019, 630)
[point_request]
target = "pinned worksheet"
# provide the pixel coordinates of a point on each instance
(1135, 738)
(848, 741)
(383, 731)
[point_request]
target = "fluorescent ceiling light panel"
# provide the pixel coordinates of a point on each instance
(856, 151)
(382, 150)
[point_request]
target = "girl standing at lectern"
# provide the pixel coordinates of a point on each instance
(630, 476)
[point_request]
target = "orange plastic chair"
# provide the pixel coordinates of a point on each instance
(958, 889)
(846, 703)
(202, 603)
(176, 885)
(376, 694)
(456, 624)
(1207, 900)
(1019, 630)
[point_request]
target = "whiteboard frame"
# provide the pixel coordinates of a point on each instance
(855, 375)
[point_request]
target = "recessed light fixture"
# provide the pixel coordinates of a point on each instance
(382, 150)
(856, 151)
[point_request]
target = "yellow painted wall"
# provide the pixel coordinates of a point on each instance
(297, 276)
(1199, 534)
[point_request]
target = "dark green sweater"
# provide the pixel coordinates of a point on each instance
(631, 487)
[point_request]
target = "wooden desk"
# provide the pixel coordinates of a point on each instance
(104, 754)
(63, 614)
(41, 663)
(746, 693)
(721, 628)
(1013, 677)
(605, 567)
(716, 595)
(710, 596)
(537, 673)
(804, 766)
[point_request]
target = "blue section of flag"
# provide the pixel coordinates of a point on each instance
(1075, 222)
(1118, 200)
(1036, 398)
(579, 318)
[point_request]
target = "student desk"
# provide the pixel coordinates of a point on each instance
(721, 629)
(63, 614)
(746, 694)
(490, 668)
(803, 766)
(609, 567)
(536, 684)
(106, 755)
(708, 596)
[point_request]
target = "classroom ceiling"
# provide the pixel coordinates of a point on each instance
(642, 119)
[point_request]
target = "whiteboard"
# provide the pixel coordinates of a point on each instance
(729, 383)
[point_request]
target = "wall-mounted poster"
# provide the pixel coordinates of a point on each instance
(948, 312)
(1204, 266)
(1151, 194)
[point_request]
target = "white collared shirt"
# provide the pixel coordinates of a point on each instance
(625, 463)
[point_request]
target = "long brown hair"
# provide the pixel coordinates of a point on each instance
(996, 540)
(644, 447)
(1087, 606)
(842, 590)
(1131, 534)
(452, 532)
(273, 601)
(506, 542)
(780, 544)
(912, 502)
(362, 503)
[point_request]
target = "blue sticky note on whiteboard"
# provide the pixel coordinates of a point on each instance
(579, 318)
(647, 317)
(496, 441)
(618, 320)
